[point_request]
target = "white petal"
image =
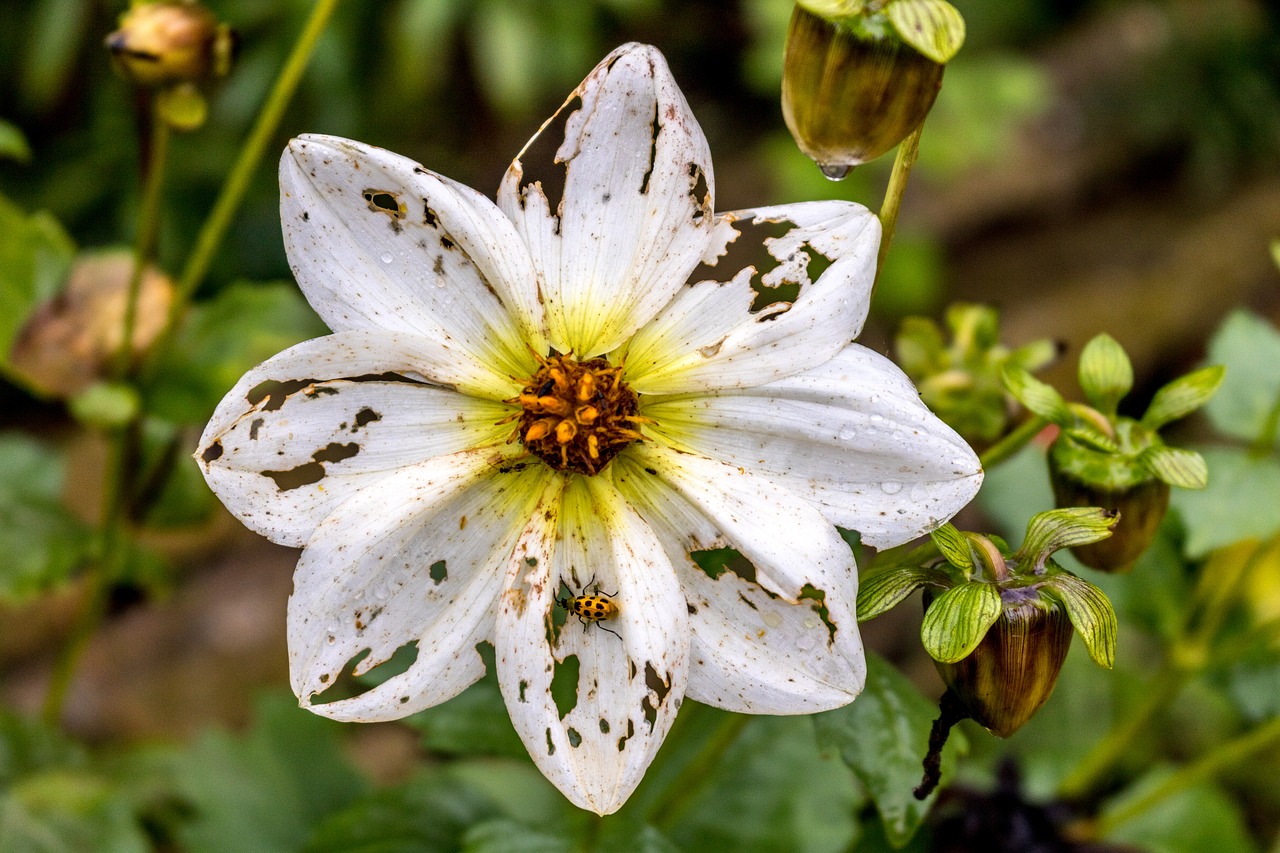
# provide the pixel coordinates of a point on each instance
(304, 430)
(708, 337)
(760, 645)
(418, 559)
(851, 435)
(635, 217)
(629, 683)
(378, 242)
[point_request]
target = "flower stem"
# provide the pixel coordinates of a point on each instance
(1013, 442)
(237, 183)
(683, 790)
(1220, 757)
(153, 166)
(902, 163)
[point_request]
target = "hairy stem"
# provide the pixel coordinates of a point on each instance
(950, 711)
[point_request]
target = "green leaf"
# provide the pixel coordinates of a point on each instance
(264, 792)
(508, 836)
(1035, 355)
(1184, 468)
(1245, 406)
(430, 812)
(1063, 528)
(884, 591)
(1241, 501)
(957, 620)
(954, 545)
(35, 256)
(933, 27)
(1037, 396)
(1090, 612)
(13, 145)
(244, 325)
(1183, 396)
(1193, 820)
(883, 737)
(798, 798)
(42, 542)
(1106, 374)
(476, 722)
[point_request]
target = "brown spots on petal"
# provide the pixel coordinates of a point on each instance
(313, 471)
(212, 452)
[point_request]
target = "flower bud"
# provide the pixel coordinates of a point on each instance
(1012, 672)
(167, 42)
(1083, 476)
(853, 89)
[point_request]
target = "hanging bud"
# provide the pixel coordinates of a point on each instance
(960, 379)
(1101, 458)
(998, 622)
(168, 42)
(856, 79)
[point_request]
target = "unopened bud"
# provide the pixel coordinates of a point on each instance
(162, 43)
(851, 92)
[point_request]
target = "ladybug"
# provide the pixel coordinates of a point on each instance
(592, 609)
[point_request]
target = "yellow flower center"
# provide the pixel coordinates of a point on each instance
(576, 416)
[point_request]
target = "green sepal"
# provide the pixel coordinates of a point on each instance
(1183, 468)
(884, 591)
(1092, 438)
(1035, 355)
(1183, 396)
(1106, 374)
(1062, 528)
(974, 328)
(1037, 396)
(957, 620)
(954, 545)
(933, 27)
(1090, 612)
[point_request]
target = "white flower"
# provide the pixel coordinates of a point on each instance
(464, 447)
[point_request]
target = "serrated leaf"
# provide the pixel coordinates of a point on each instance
(1063, 528)
(933, 27)
(1241, 501)
(42, 542)
(1183, 396)
(957, 620)
(954, 546)
(1106, 374)
(1245, 405)
(1183, 468)
(1091, 613)
(883, 737)
(1039, 397)
(884, 591)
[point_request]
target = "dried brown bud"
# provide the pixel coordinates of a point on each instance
(162, 43)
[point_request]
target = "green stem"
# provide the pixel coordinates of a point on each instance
(144, 247)
(683, 790)
(902, 163)
(1219, 758)
(237, 183)
(1013, 442)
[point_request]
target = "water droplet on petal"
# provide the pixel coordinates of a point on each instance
(806, 641)
(848, 432)
(835, 171)
(773, 619)
(890, 487)
(387, 257)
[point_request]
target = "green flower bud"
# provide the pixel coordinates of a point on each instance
(852, 89)
(1012, 672)
(167, 42)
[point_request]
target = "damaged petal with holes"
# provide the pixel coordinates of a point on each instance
(532, 412)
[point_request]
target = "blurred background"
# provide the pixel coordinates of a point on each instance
(1090, 165)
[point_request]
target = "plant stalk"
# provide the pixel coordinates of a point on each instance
(903, 161)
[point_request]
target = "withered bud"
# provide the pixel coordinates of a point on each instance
(1012, 672)
(849, 95)
(163, 43)
(68, 343)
